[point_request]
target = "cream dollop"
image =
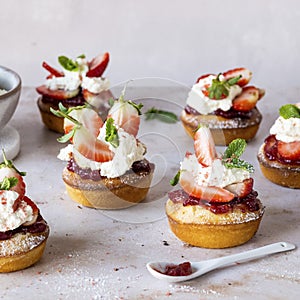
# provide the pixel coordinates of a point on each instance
(128, 152)
(215, 175)
(204, 105)
(10, 219)
(286, 130)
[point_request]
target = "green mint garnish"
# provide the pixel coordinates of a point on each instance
(111, 133)
(219, 89)
(231, 157)
(7, 183)
(162, 115)
(63, 112)
(289, 111)
(68, 63)
(138, 107)
(81, 56)
(175, 180)
(9, 164)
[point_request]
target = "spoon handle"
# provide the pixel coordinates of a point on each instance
(252, 254)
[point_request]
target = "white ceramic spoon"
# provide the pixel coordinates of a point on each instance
(202, 267)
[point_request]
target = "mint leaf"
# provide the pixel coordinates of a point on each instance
(176, 178)
(68, 63)
(234, 80)
(138, 107)
(289, 111)
(81, 56)
(162, 115)
(111, 133)
(8, 182)
(238, 163)
(235, 149)
(231, 157)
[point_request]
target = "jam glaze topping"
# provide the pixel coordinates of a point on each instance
(271, 151)
(230, 114)
(39, 226)
(138, 167)
(250, 203)
(74, 101)
(183, 269)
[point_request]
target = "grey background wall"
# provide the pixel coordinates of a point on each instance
(172, 39)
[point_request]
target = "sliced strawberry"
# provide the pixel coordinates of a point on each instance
(209, 193)
(246, 75)
(88, 118)
(241, 189)
(7, 172)
(203, 76)
(98, 65)
(99, 101)
(35, 211)
(247, 99)
(91, 147)
(204, 146)
(125, 116)
(261, 93)
(56, 94)
(52, 71)
(290, 151)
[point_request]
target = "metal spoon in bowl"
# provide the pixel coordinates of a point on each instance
(157, 269)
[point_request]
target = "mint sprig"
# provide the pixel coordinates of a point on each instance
(7, 183)
(176, 178)
(68, 63)
(289, 111)
(231, 157)
(162, 115)
(219, 89)
(111, 133)
(64, 112)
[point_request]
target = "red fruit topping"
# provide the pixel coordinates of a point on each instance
(203, 76)
(52, 71)
(245, 73)
(247, 99)
(34, 209)
(209, 193)
(204, 146)
(88, 118)
(290, 151)
(98, 65)
(241, 189)
(125, 116)
(90, 147)
(7, 172)
(56, 94)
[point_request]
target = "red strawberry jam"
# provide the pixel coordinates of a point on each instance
(182, 269)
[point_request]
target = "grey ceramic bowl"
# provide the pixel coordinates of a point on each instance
(11, 82)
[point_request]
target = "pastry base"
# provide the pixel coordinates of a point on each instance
(214, 236)
(51, 121)
(113, 193)
(23, 258)
(223, 130)
(284, 175)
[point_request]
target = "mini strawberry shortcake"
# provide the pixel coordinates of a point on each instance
(279, 156)
(226, 104)
(106, 164)
(23, 231)
(216, 206)
(79, 82)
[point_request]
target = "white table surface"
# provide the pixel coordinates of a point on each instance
(92, 254)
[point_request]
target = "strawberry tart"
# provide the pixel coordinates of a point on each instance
(279, 155)
(79, 82)
(23, 231)
(226, 104)
(216, 206)
(106, 165)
